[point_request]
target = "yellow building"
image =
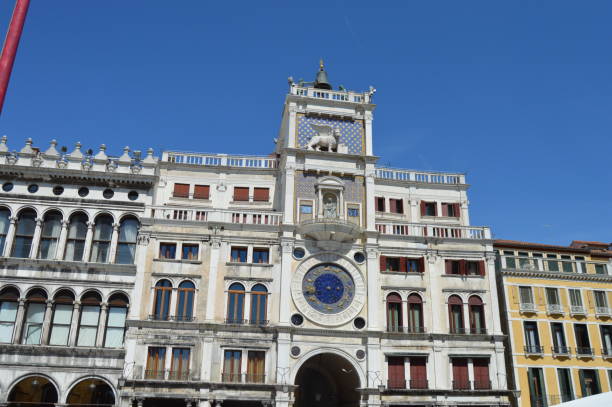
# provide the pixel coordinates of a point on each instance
(556, 303)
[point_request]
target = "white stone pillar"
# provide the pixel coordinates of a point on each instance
(471, 373)
(375, 363)
(36, 238)
(61, 244)
(492, 310)
(414, 210)
(246, 314)
(405, 314)
(292, 126)
(207, 358)
(113, 245)
(373, 283)
(88, 242)
(289, 201)
(285, 282)
(101, 325)
(10, 237)
(46, 328)
(74, 323)
(19, 321)
(368, 133)
(205, 403)
(211, 300)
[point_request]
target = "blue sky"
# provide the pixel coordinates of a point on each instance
(518, 94)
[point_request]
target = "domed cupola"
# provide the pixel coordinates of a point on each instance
(321, 82)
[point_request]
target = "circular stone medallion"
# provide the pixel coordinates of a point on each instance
(328, 288)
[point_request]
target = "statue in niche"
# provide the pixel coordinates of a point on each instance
(330, 208)
(327, 138)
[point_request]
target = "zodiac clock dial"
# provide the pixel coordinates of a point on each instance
(328, 288)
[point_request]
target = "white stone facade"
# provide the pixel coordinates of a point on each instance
(280, 279)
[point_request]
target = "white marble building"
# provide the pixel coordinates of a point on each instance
(309, 277)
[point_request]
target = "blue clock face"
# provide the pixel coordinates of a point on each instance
(328, 288)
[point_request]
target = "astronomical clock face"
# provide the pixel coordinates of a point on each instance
(328, 288)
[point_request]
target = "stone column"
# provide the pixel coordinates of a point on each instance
(205, 403)
(36, 238)
(113, 245)
(211, 298)
(405, 315)
(285, 281)
(88, 241)
(471, 373)
(19, 321)
(492, 310)
(101, 325)
(368, 133)
(46, 328)
(61, 244)
(373, 284)
(10, 237)
(74, 324)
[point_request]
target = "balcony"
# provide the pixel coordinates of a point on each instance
(242, 216)
(533, 350)
(396, 384)
(462, 385)
(333, 95)
(577, 310)
(482, 384)
(246, 378)
(220, 160)
(419, 176)
(528, 307)
(330, 230)
(252, 322)
(582, 352)
(176, 318)
(603, 312)
(554, 309)
(561, 351)
(478, 331)
(407, 329)
(168, 375)
(419, 384)
(459, 331)
(436, 231)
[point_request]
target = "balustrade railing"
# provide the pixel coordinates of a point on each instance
(428, 177)
(220, 160)
(528, 307)
(554, 309)
(167, 374)
(533, 350)
(243, 378)
(577, 310)
(338, 95)
(582, 351)
(603, 311)
(424, 230)
(560, 350)
(216, 215)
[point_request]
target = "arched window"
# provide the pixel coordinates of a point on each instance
(5, 223)
(90, 318)
(49, 235)
(62, 318)
(33, 391)
(235, 304)
(35, 315)
(161, 304)
(24, 233)
(394, 313)
(184, 307)
(102, 235)
(126, 245)
(115, 321)
(477, 317)
(91, 393)
(77, 233)
(455, 314)
(9, 302)
(415, 314)
(259, 299)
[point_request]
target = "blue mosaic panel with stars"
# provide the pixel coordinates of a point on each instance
(328, 288)
(351, 133)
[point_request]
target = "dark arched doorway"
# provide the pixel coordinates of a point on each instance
(327, 380)
(91, 392)
(33, 391)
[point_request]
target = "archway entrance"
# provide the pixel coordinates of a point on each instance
(327, 380)
(91, 392)
(33, 391)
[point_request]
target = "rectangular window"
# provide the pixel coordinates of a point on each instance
(589, 382)
(305, 210)
(393, 264)
(33, 324)
(482, 380)
(88, 327)
(418, 373)
(156, 360)
(558, 339)
(461, 379)
(261, 256)
(181, 191)
(606, 339)
(532, 338)
(583, 344)
(231, 366)
(523, 259)
(261, 194)
(567, 265)
(601, 300)
(115, 327)
(510, 262)
(553, 265)
(396, 205)
(239, 254)
(201, 192)
(415, 265)
(552, 296)
(396, 373)
(474, 268)
(256, 367)
(453, 266)
(429, 209)
(60, 329)
(580, 264)
(8, 314)
(601, 269)
(190, 251)
(167, 251)
(241, 194)
(537, 260)
(526, 295)
(537, 389)
(352, 212)
(565, 385)
(180, 364)
(575, 298)
(379, 202)
(451, 210)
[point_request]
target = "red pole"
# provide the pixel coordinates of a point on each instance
(10, 46)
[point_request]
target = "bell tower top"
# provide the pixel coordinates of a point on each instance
(321, 82)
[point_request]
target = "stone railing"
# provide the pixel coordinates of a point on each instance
(439, 231)
(427, 177)
(337, 95)
(554, 309)
(220, 160)
(179, 213)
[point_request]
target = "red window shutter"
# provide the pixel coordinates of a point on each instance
(261, 194)
(481, 267)
(403, 265)
(481, 371)
(392, 205)
(181, 190)
(448, 265)
(396, 371)
(457, 210)
(400, 205)
(423, 208)
(422, 265)
(241, 194)
(460, 370)
(418, 371)
(444, 209)
(201, 192)
(462, 267)
(383, 263)
(376, 206)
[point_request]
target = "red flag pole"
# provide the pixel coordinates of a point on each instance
(10, 46)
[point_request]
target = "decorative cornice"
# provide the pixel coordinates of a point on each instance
(62, 266)
(560, 276)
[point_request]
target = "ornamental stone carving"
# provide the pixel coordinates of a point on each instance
(326, 139)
